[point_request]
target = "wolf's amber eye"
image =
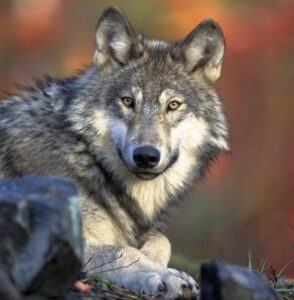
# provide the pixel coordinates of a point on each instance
(173, 105)
(127, 101)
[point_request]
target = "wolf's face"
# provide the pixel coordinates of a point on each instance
(161, 102)
(155, 112)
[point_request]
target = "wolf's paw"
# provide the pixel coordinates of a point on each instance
(179, 285)
(167, 284)
(149, 283)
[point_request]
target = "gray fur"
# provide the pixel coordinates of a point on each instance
(80, 129)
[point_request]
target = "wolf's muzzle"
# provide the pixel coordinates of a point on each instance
(146, 157)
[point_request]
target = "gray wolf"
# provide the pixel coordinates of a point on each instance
(134, 131)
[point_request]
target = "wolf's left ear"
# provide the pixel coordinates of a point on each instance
(203, 50)
(116, 41)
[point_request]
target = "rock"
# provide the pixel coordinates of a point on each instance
(7, 290)
(220, 281)
(40, 230)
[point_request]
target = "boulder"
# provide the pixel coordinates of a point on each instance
(220, 281)
(7, 289)
(40, 236)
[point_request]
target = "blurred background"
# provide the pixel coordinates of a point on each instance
(246, 203)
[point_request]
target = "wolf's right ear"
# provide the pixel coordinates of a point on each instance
(202, 51)
(116, 41)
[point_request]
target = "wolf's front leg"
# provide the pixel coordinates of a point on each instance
(129, 268)
(157, 248)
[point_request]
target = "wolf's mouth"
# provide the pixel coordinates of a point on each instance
(146, 175)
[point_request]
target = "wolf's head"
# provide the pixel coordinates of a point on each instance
(157, 100)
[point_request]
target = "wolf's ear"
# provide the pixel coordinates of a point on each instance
(116, 41)
(203, 50)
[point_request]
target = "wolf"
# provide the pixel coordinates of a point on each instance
(134, 131)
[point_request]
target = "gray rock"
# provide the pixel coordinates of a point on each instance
(7, 289)
(40, 234)
(220, 281)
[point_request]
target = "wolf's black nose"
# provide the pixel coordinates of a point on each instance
(146, 157)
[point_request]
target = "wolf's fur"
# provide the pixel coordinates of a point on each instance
(79, 128)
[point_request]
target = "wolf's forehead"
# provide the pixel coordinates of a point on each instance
(157, 68)
(161, 96)
(149, 84)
